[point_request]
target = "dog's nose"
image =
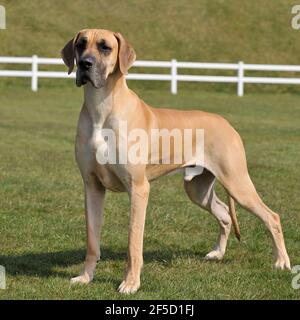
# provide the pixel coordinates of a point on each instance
(86, 63)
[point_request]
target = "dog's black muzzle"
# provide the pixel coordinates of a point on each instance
(89, 70)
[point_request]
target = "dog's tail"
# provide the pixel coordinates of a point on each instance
(233, 217)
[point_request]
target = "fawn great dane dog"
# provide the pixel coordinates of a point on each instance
(103, 58)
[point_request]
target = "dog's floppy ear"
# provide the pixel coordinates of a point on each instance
(126, 53)
(68, 54)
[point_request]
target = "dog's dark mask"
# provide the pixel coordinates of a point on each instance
(96, 75)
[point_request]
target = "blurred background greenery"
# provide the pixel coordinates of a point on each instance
(256, 31)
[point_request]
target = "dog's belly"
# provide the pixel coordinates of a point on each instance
(155, 171)
(189, 171)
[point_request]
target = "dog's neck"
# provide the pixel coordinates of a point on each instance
(100, 101)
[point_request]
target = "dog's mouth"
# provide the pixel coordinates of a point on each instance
(83, 77)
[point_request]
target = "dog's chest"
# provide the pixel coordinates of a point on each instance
(99, 143)
(103, 149)
(103, 141)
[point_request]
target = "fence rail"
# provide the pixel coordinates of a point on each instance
(240, 79)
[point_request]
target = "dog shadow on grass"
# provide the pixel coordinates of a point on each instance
(47, 264)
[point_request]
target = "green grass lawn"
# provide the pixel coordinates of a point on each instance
(42, 227)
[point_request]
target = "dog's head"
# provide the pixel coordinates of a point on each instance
(98, 54)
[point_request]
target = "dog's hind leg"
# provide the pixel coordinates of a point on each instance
(243, 191)
(201, 191)
(231, 170)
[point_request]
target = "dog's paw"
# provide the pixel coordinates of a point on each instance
(283, 263)
(129, 287)
(83, 279)
(215, 255)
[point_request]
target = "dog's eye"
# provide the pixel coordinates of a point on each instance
(104, 48)
(81, 44)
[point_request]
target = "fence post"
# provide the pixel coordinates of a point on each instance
(34, 76)
(240, 87)
(174, 76)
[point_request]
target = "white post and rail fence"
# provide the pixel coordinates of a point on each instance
(173, 77)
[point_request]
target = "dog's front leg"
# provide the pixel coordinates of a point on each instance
(94, 207)
(139, 195)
